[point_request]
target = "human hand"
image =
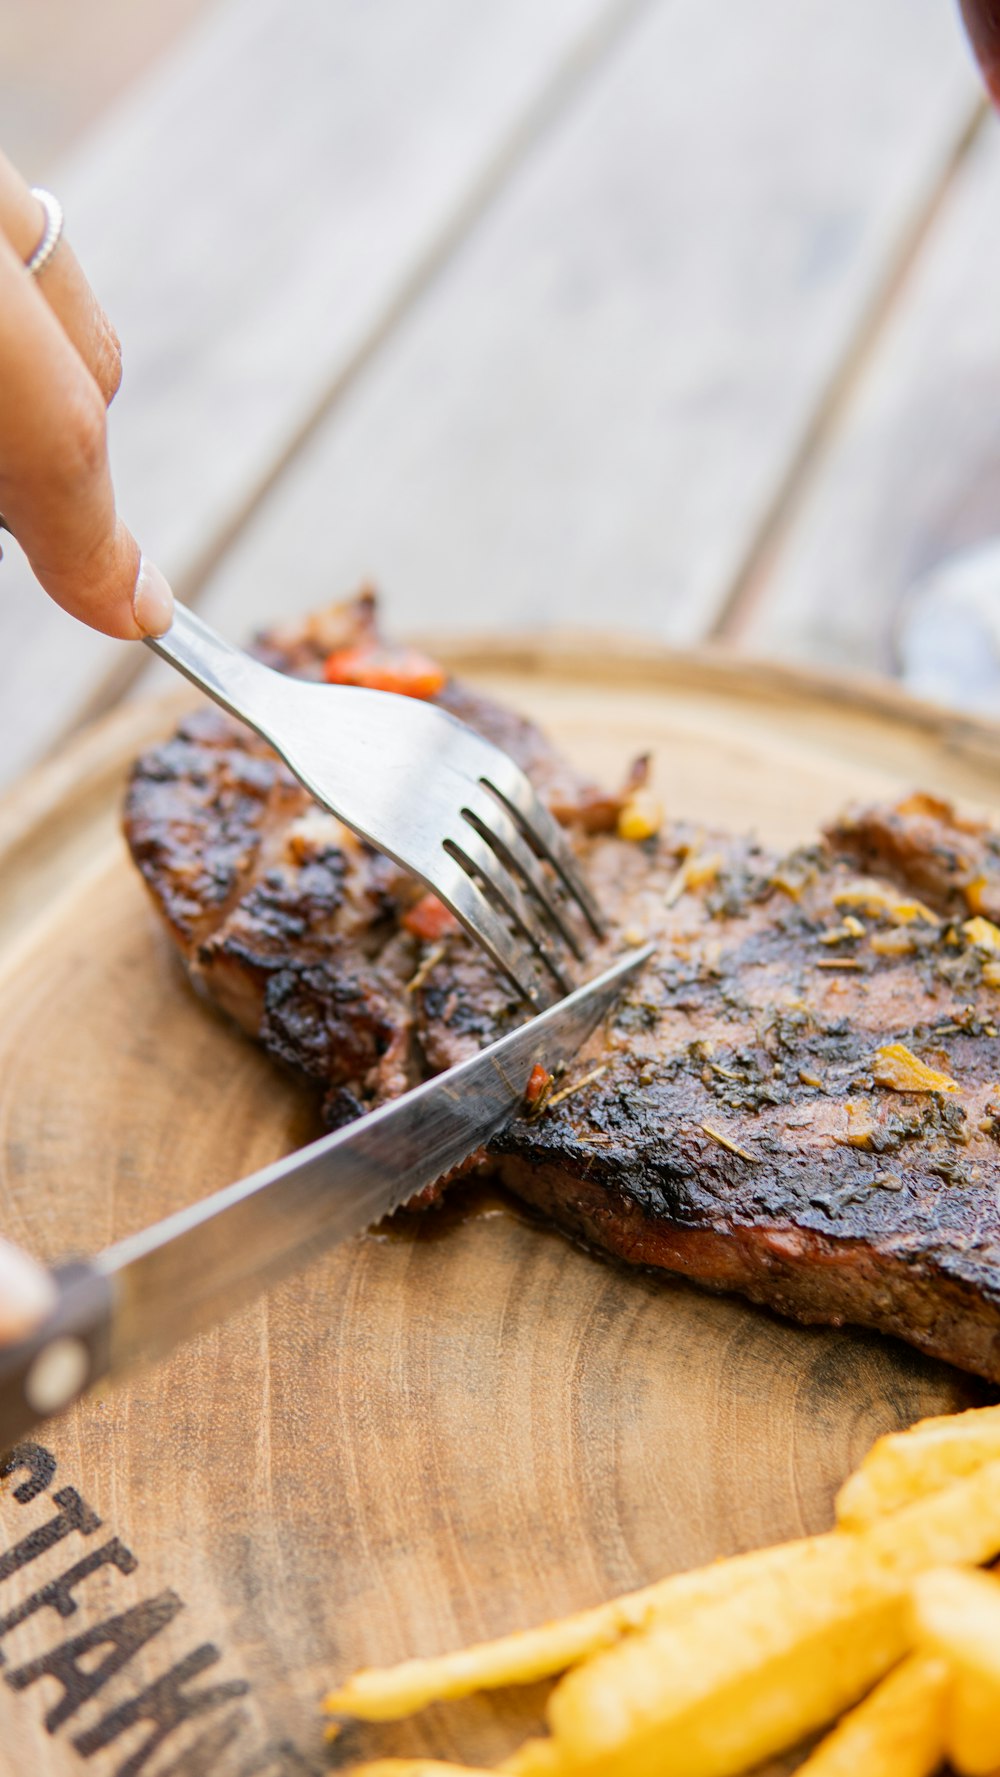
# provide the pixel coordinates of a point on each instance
(26, 1293)
(982, 21)
(60, 366)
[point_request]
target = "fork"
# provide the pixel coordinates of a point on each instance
(447, 805)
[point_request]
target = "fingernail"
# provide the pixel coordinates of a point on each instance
(27, 1293)
(152, 600)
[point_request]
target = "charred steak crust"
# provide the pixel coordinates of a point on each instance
(284, 918)
(733, 1120)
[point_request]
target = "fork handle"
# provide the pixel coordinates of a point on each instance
(228, 675)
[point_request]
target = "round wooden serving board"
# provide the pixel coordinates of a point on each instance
(426, 1438)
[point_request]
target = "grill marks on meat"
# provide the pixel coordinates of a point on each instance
(735, 1130)
(837, 1199)
(284, 918)
(199, 810)
(728, 1122)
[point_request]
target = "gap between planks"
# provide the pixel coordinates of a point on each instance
(534, 106)
(748, 591)
(596, 407)
(543, 112)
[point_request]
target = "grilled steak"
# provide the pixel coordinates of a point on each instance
(799, 1100)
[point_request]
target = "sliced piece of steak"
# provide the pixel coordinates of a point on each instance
(283, 917)
(737, 1119)
(742, 1123)
(925, 845)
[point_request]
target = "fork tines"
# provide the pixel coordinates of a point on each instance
(518, 887)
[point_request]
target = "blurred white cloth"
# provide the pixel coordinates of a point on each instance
(948, 633)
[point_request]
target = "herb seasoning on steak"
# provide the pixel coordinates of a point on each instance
(799, 1100)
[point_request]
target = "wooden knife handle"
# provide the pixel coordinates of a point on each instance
(42, 1375)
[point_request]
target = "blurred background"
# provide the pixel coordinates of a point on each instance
(636, 315)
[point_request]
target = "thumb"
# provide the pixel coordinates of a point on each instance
(55, 479)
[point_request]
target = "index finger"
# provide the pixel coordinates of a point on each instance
(62, 283)
(55, 481)
(982, 21)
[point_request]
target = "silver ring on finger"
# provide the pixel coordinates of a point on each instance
(52, 233)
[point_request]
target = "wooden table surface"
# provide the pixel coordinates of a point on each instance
(636, 314)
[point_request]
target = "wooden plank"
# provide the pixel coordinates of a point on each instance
(912, 471)
(254, 217)
(63, 63)
(456, 1430)
(590, 416)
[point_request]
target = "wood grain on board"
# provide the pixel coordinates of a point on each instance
(911, 473)
(429, 1436)
(590, 415)
(253, 216)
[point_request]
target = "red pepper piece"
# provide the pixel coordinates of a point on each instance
(539, 1081)
(403, 670)
(429, 919)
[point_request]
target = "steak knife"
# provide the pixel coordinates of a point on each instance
(144, 1295)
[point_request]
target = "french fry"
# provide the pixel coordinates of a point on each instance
(905, 1466)
(387, 1694)
(536, 1758)
(418, 1767)
(957, 1615)
(708, 1672)
(744, 1678)
(735, 1685)
(898, 1731)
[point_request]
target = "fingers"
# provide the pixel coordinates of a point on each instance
(62, 283)
(60, 365)
(982, 21)
(27, 1294)
(55, 482)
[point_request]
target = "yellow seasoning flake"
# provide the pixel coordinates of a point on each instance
(983, 933)
(875, 899)
(896, 1066)
(792, 882)
(860, 1125)
(696, 872)
(848, 928)
(701, 872)
(640, 816)
(897, 943)
(905, 912)
(991, 976)
(975, 893)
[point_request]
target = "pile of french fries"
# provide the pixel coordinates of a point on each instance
(711, 1673)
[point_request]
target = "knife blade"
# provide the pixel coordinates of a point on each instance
(144, 1295)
